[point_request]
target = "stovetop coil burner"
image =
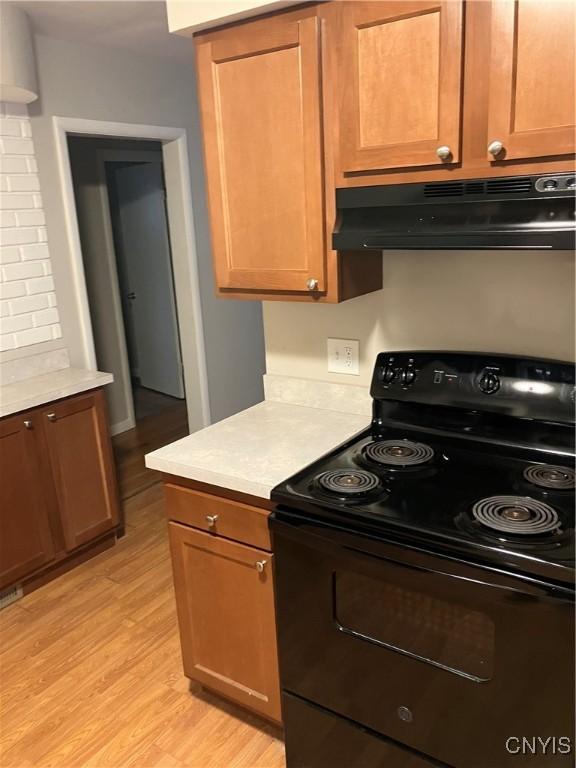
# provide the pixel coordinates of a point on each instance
(398, 453)
(550, 476)
(348, 482)
(520, 515)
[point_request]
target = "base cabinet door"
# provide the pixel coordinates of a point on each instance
(25, 535)
(399, 83)
(82, 467)
(532, 78)
(225, 602)
(259, 89)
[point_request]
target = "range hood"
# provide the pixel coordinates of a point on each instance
(518, 212)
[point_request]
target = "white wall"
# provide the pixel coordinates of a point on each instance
(83, 81)
(27, 299)
(499, 301)
(192, 15)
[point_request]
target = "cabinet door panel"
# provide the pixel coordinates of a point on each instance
(226, 616)
(400, 81)
(82, 466)
(259, 87)
(25, 536)
(532, 78)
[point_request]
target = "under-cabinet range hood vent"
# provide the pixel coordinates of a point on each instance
(517, 212)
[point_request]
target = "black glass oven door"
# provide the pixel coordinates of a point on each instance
(449, 659)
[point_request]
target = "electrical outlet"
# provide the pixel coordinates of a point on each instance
(343, 355)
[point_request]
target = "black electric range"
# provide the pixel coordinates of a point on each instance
(425, 572)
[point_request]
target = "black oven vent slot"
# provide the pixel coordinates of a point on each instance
(508, 186)
(490, 187)
(444, 189)
(474, 188)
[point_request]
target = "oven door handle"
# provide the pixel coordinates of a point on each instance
(335, 538)
(499, 579)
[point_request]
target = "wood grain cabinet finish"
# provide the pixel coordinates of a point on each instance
(25, 535)
(225, 601)
(82, 467)
(259, 87)
(532, 76)
(58, 494)
(399, 82)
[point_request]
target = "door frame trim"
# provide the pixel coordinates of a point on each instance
(182, 236)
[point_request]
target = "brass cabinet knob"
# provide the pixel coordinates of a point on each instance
(312, 284)
(51, 416)
(28, 424)
(444, 153)
(260, 565)
(495, 148)
(211, 520)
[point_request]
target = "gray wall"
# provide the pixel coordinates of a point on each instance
(82, 81)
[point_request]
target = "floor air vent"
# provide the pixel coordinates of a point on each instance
(10, 596)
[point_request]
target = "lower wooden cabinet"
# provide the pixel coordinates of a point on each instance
(25, 537)
(225, 601)
(58, 491)
(82, 468)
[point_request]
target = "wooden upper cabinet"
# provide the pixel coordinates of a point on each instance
(400, 78)
(532, 66)
(25, 535)
(82, 467)
(225, 601)
(259, 88)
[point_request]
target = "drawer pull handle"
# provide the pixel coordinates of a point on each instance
(260, 565)
(28, 424)
(211, 520)
(51, 416)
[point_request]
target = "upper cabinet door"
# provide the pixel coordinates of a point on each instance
(82, 467)
(400, 79)
(259, 88)
(532, 65)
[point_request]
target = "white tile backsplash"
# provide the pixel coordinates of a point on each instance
(28, 308)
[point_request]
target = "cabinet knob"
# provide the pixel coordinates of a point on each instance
(495, 148)
(260, 565)
(51, 416)
(312, 284)
(444, 153)
(211, 520)
(28, 424)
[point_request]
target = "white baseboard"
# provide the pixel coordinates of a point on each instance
(122, 426)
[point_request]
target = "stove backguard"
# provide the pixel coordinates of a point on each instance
(458, 389)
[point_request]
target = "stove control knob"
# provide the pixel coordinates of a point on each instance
(489, 382)
(388, 374)
(408, 376)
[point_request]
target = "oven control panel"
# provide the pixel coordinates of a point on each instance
(518, 386)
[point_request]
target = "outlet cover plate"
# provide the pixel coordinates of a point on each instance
(343, 356)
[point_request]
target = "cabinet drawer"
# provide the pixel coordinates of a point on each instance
(230, 519)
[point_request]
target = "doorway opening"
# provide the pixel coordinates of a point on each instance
(120, 197)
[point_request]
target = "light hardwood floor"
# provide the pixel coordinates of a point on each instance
(90, 670)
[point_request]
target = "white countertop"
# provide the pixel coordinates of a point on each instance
(38, 390)
(256, 449)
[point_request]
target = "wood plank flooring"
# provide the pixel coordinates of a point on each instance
(90, 669)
